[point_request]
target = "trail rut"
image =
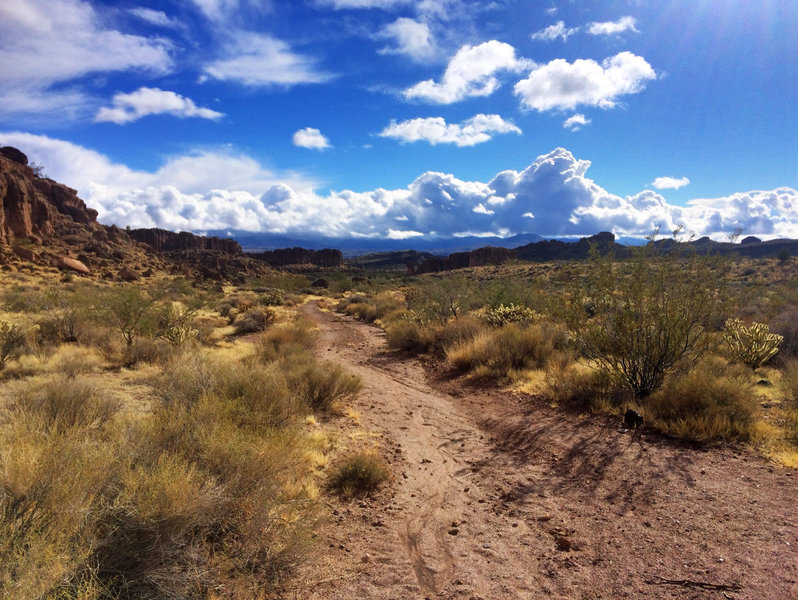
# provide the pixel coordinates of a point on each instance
(496, 496)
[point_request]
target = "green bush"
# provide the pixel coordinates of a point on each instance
(638, 319)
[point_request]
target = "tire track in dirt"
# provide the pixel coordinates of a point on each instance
(441, 512)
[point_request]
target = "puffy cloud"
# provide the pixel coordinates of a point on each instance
(155, 17)
(576, 122)
(552, 32)
(36, 53)
(563, 85)
(261, 60)
(411, 37)
(613, 27)
(311, 138)
(152, 101)
(670, 183)
(552, 196)
(479, 128)
(471, 72)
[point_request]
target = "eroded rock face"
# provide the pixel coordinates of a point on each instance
(301, 256)
(489, 255)
(163, 241)
(31, 207)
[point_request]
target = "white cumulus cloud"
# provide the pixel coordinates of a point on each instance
(412, 38)
(552, 32)
(576, 122)
(152, 101)
(563, 85)
(670, 183)
(311, 138)
(472, 71)
(261, 60)
(155, 17)
(479, 128)
(613, 27)
(553, 196)
(49, 42)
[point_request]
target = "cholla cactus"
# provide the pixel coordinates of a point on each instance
(514, 313)
(753, 345)
(12, 342)
(180, 334)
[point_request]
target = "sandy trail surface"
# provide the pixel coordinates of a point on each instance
(497, 496)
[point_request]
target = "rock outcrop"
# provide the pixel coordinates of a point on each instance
(301, 256)
(489, 255)
(165, 241)
(32, 207)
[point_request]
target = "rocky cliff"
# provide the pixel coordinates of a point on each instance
(489, 255)
(301, 256)
(31, 207)
(164, 241)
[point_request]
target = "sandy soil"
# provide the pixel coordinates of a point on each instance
(500, 496)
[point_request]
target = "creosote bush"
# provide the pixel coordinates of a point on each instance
(639, 318)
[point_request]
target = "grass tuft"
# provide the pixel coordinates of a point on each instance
(358, 475)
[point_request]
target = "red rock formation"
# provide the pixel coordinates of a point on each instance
(301, 256)
(488, 255)
(31, 207)
(163, 240)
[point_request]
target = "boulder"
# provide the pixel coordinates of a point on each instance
(11, 153)
(65, 263)
(24, 253)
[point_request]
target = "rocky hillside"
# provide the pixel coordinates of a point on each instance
(45, 225)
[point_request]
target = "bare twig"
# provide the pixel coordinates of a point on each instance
(657, 580)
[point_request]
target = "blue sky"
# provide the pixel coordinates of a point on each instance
(411, 118)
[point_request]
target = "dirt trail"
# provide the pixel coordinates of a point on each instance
(497, 496)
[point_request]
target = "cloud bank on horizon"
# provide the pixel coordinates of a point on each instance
(553, 196)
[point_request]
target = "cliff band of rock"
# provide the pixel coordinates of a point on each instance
(164, 241)
(301, 256)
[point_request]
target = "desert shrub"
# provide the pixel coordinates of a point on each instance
(447, 335)
(364, 311)
(79, 361)
(287, 339)
(711, 402)
(320, 385)
(272, 297)
(12, 342)
(583, 388)
(359, 474)
(786, 325)
(23, 298)
(752, 345)
(645, 315)
(498, 352)
(254, 320)
(441, 299)
(406, 334)
(179, 335)
(65, 403)
(512, 313)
